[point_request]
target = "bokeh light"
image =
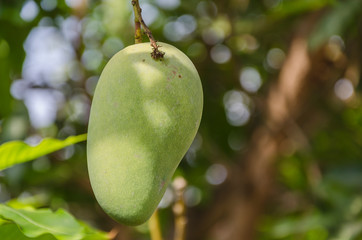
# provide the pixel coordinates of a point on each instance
(220, 54)
(48, 5)
(149, 13)
(250, 79)
(29, 11)
(42, 105)
(343, 89)
(48, 55)
(192, 196)
(168, 4)
(236, 107)
(275, 58)
(111, 46)
(167, 198)
(216, 174)
(92, 59)
(180, 28)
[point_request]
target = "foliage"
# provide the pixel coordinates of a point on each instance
(37, 223)
(15, 152)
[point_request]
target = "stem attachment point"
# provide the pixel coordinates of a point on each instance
(156, 53)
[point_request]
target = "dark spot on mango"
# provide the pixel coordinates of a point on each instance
(179, 76)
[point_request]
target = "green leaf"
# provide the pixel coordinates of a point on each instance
(34, 223)
(10, 231)
(295, 225)
(15, 152)
(93, 234)
(336, 22)
(295, 7)
(60, 224)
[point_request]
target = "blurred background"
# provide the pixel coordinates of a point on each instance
(279, 150)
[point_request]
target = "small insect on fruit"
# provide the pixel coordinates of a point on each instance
(143, 119)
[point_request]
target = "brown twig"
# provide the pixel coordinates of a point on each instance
(179, 209)
(113, 233)
(156, 53)
(137, 23)
(154, 226)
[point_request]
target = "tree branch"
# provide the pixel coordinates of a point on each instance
(283, 105)
(248, 189)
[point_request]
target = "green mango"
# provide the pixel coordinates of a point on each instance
(144, 116)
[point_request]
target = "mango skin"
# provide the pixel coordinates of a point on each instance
(144, 117)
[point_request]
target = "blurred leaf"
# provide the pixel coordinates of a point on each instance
(15, 152)
(10, 231)
(292, 172)
(5, 79)
(289, 226)
(336, 22)
(9, 12)
(350, 230)
(92, 234)
(115, 16)
(291, 8)
(60, 224)
(32, 201)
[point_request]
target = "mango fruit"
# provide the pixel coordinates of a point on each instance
(144, 117)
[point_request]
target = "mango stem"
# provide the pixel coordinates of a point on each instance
(137, 23)
(154, 226)
(156, 54)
